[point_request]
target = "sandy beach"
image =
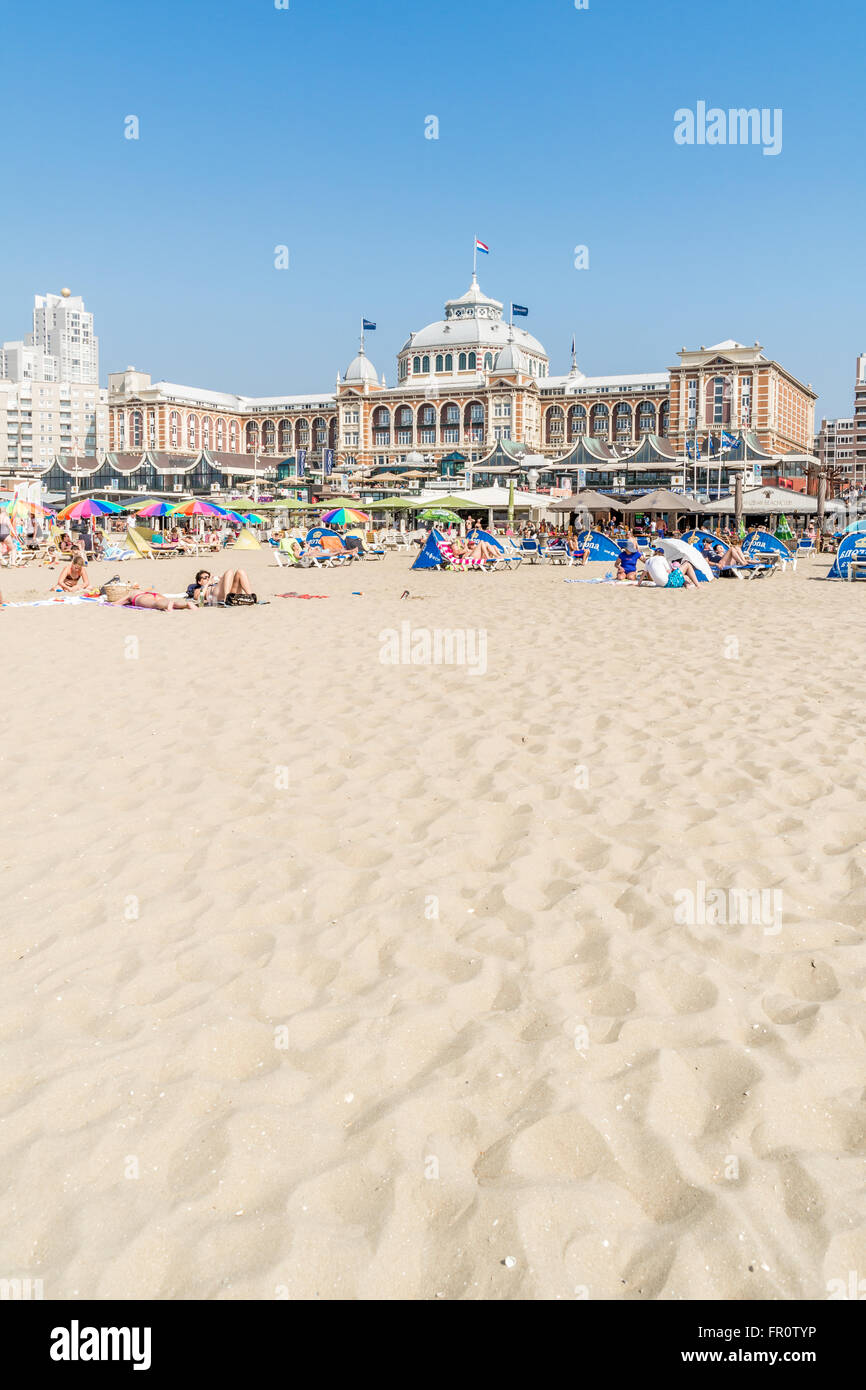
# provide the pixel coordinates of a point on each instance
(328, 976)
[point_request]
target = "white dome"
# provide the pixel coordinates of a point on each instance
(472, 321)
(361, 369)
(511, 359)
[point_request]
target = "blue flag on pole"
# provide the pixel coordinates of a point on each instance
(519, 311)
(302, 462)
(729, 441)
(368, 326)
(329, 462)
(693, 450)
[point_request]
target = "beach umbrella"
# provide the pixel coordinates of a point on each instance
(343, 516)
(783, 531)
(153, 509)
(88, 507)
(453, 502)
(675, 549)
(195, 507)
(439, 514)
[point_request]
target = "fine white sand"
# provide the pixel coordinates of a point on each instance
(326, 977)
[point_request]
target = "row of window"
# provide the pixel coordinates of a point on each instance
(466, 362)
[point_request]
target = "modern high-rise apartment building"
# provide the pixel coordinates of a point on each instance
(50, 401)
(63, 328)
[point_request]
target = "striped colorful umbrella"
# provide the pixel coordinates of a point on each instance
(154, 509)
(89, 506)
(343, 516)
(197, 508)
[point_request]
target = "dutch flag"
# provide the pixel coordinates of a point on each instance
(479, 246)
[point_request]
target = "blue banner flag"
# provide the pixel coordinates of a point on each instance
(729, 441)
(693, 450)
(302, 462)
(519, 311)
(329, 462)
(368, 326)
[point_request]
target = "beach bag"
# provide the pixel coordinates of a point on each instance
(240, 600)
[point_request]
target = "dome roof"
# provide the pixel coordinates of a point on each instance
(361, 369)
(511, 359)
(474, 320)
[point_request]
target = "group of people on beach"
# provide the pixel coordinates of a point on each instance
(672, 571)
(228, 590)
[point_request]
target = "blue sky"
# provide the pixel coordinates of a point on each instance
(305, 127)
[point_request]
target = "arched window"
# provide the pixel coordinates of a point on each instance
(488, 361)
(221, 436)
(416, 364)
(233, 437)
(269, 436)
(285, 436)
(403, 423)
(450, 424)
(252, 438)
(135, 427)
(206, 432)
(622, 421)
(303, 433)
(473, 422)
(425, 365)
(600, 420)
(646, 417)
(554, 422)
(174, 430)
(449, 362)
(192, 432)
(473, 362)
(440, 362)
(320, 433)
(664, 416)
(461, 362)
(381, 425)
(576, 422)
(427, 424)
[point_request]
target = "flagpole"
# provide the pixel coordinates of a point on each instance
(475, 258)
(362, 332)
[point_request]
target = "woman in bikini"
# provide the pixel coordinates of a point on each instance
(72, 578)
(149, 598)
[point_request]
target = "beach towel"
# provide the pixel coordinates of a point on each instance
(303, 595)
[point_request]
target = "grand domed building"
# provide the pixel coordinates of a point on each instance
(473, 394)
(471, 381)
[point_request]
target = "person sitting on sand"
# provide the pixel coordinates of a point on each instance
(626, 566)
(215, 589)
(149, 598)
(668, 574)
(73, 577)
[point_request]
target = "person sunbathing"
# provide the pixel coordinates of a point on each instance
(725, 559)
(481, 550)
(73, 577)
(221, 588)
(149, 598)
